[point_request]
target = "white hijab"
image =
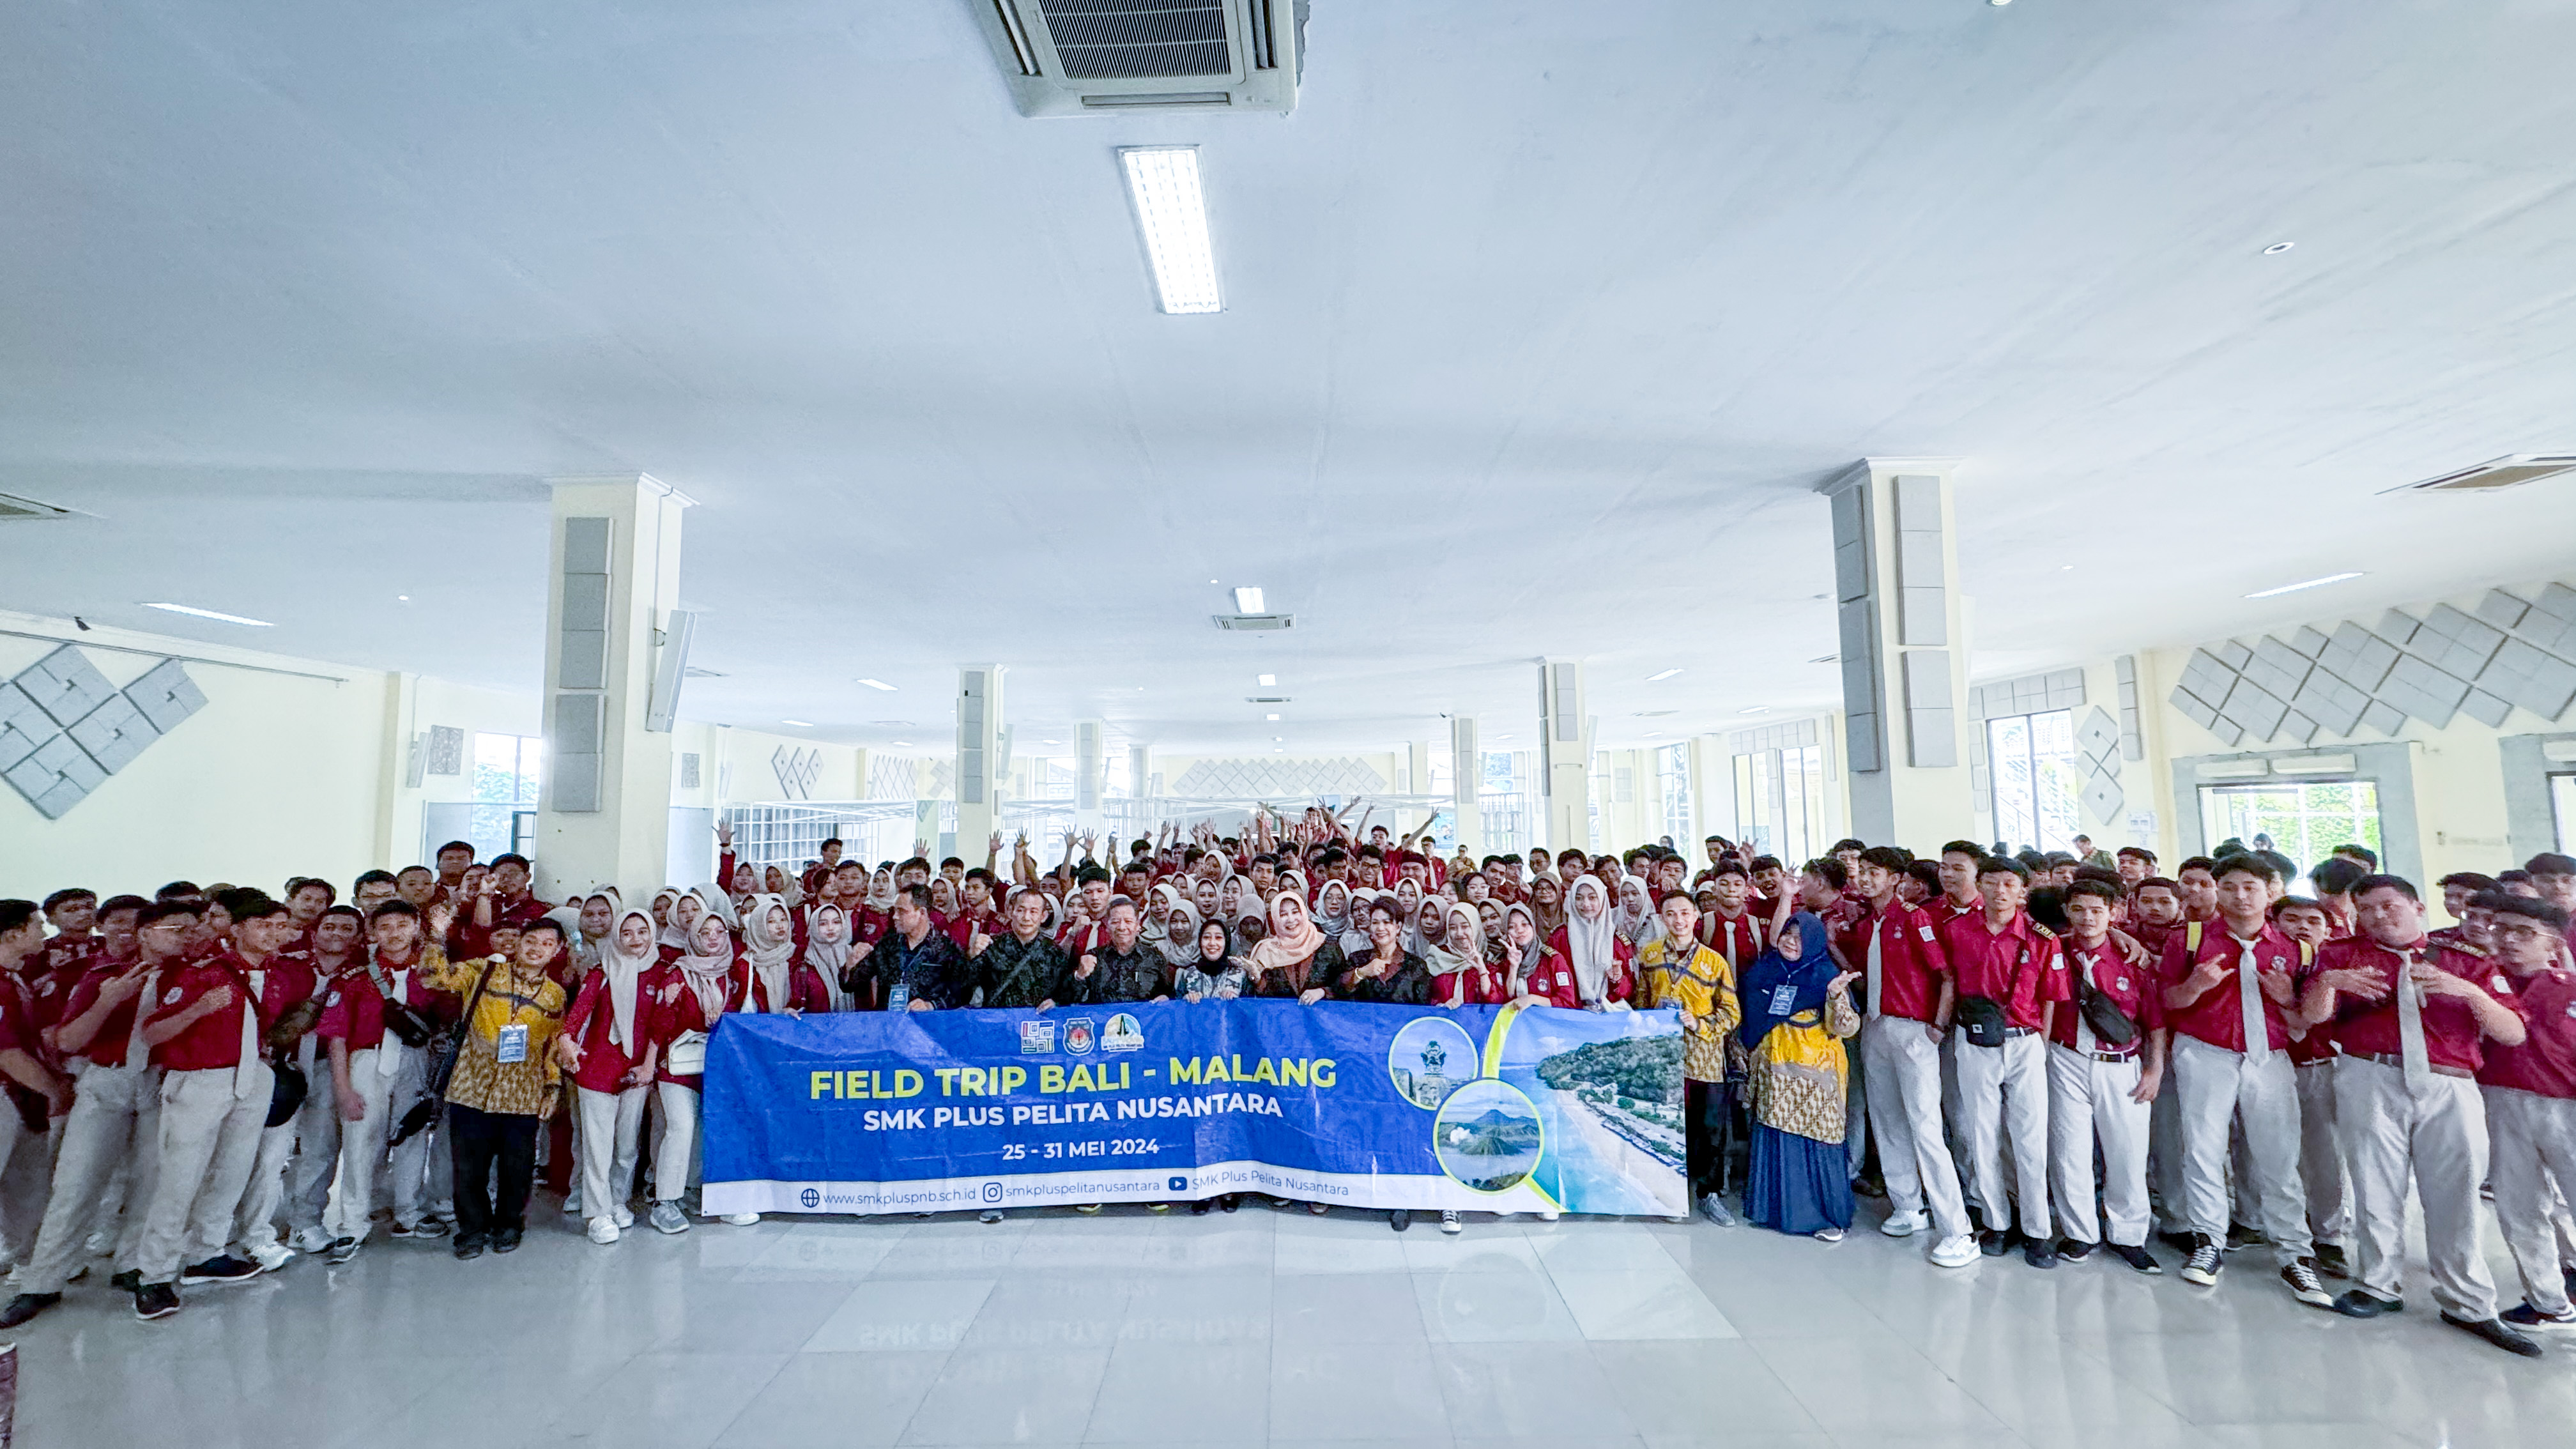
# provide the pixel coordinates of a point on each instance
(1638, 923)
(620, 972)
(1591, 945)
(772, 956)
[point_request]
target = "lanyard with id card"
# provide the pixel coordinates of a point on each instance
(512, 1045)
(1783, 997)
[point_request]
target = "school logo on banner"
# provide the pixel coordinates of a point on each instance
(1122, 1034)
(1037, 1036)
(1078, 1036)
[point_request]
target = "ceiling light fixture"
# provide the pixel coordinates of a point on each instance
(1660, 678)
(402, 598)
(2305, 584)
(2276, 248)
(1171, 213)
(1247, 601)
(802, 724)
(903, 744)
(1050, 742)
(221, 618)
(1265, 680)
(1270, 716)
(878, 684)
(1757, 709)
(1826, 659)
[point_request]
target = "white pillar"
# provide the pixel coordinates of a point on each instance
(1090, 772)
(1466, 777)
(612, 580)
(1565, 754)
(1904, 651)
(979, 756)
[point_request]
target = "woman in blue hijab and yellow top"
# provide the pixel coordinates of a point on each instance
(1797, 1011)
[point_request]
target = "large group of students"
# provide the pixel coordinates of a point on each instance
(2052, 1054)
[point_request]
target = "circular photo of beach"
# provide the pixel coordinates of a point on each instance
(1430, 1058)
(1487, 1135)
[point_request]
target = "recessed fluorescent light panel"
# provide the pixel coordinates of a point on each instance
(1171, 211)
(1660, 678)
(878, 684)
(903, 744)
(1268, 680)
(1247, 601)
(220, 618)
(2305, 584)
(802, 724)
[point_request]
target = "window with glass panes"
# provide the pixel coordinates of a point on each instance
(2037, 779)
(506, 778)
(2305, 820)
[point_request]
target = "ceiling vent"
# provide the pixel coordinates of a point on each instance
(1265, 699)
(1242, 622)
(1089, 57)
(2511, 471)
(14, 509)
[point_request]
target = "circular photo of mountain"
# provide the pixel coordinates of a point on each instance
(1487, 1135)
(1430, 1058)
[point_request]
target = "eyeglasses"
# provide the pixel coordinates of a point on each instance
(2531, 929)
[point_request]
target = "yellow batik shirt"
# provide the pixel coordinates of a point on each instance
(1702, 985)
(513, 995)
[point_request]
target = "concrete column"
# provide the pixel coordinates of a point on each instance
(979, 757)
(1090, 773)
(1565, 755)
(1904, 651)
(1466, 777)
(613, 577)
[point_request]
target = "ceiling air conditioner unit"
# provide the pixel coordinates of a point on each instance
(1094, 57)
(1255, 621)
(2510, 471)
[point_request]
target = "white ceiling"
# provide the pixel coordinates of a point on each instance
(1543, 322)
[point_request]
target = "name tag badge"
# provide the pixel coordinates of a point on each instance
(513, 1044)
(899, 997)
(1926, 932)
(1783, 996)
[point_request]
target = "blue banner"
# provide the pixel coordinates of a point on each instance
(1492, 1108)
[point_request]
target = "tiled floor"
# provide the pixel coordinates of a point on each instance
(1259, 1328)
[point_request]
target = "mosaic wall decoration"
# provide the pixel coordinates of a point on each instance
(2446, 662)
(64, 729)
(1278, 779)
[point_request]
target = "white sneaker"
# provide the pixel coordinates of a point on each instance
(1828, 1235)
(742, 1220)
(1906, 1225)
(1548, 1215)
(271, 1255)
(1955, 1252)
(1449, 1220)
(667, 1218)
(622, 1217)
(309, 1240)
(603, 1231)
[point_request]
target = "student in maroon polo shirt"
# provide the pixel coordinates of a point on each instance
(285, 983)
(2312, 1054)
(610, 1054)
(2004, 959)
(2099, 1089)
(377, 1077)
(2222, 978)
(116, 1102)
(1960, 861)
(204, 1033)
(35, 1089)
(2410, 1022)
(1906, 1011)
(2530, 1095)
(1731, 929)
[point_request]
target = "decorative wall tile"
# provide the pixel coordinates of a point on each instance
(64, 729)
(2507, 652)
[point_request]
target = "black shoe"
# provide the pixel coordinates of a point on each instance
(468, 1245)
(2494, 1331)
(1399, 1219)
(2204, 1265)
(2075, 1252)
(2138, 1258)
(2037, 1253)
(2182, 1239)
(506, 1240)
(2305, 1285)
(1230, 1201)
(1869, 1187)
(219, 1269)
(2240, 1236)
(2358, 1303)
(129, 1281)
(1995, 1242)
(28, 1305)
(2522, 1316)
(156, 1300)
(1202, 1207)
(2332, 1262)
